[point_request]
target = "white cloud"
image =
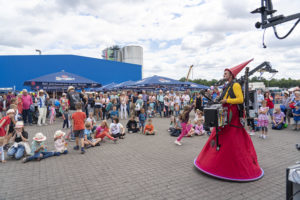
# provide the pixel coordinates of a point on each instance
(214, 34)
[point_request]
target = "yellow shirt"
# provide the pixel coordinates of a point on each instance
(239, 97)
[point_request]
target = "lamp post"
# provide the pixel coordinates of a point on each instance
(39, 51)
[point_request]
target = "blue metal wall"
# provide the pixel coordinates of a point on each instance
(17, 69)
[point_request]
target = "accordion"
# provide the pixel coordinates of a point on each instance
(215, 115)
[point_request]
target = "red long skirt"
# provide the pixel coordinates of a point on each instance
(236, 159)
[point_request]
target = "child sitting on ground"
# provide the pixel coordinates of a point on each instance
(177, 128)
(115, 129)
(199, 130)
(198, 115)
(88, 140)
(132, 125)
(39, 150)
(114, 113)
(102, 131)
(190, 129)
(60, 143)
(149, 128)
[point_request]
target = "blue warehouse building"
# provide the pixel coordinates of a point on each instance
(16, 69)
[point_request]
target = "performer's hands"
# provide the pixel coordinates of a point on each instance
(223, 101)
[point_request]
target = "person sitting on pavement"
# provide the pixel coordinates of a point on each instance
(88, 140)
(278, 119)
(115, 129)
(39, 149)
(149, 128)
(20, 138)
(132, 125)
(102, 131)
(60, 143)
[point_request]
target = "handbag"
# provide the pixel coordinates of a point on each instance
(292, 105)
(32, 108)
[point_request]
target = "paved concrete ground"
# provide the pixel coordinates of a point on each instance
(144, 167)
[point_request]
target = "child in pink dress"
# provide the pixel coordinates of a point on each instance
(263, 120)
(199, 130)
(52, 113)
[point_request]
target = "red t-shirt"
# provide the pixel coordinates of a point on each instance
(270, 103)
(2, 128)
(79, 118)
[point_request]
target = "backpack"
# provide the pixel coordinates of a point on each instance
(74, 98)
(137, 107)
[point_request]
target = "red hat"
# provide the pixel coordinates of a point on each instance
(235, 70)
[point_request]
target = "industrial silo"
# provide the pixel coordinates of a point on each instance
(132, 54)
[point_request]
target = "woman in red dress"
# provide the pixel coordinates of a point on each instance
(236, 159)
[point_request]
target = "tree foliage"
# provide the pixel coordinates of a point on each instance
(282, 83)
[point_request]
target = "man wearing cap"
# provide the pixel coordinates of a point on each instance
(235, 159)
(41, 99)
(27, 101)
(73, 98)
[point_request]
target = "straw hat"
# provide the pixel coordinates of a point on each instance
(286, 92)
(19, 124)
(41, 91)
(59, 133)
(71, 88)
(39, 137)
(10, 111)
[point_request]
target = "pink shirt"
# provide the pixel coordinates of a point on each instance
(27, 101)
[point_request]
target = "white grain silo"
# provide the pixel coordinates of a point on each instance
(132, 54)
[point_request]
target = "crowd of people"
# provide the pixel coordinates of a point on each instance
(81, 111)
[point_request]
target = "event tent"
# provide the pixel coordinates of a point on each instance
(192, 85)
(106, 87)
(158, 81)
(123, 85)
(60, 81)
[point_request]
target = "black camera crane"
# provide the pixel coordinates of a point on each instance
(268, 20)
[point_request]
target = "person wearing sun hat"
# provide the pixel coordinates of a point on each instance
(20, 138)
(60, 143)
(42, 98)
(236, 158)
(39, 149)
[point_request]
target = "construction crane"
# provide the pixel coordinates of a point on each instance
(187, 77)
